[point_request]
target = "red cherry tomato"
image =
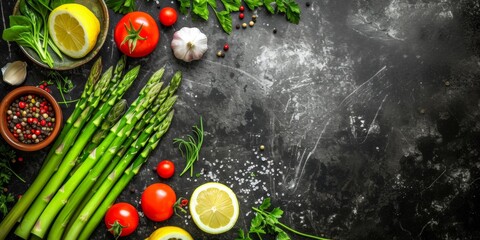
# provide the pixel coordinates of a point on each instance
(168, 16)
(122, 216)
(136, 34)
(158, 201)
(165, 169)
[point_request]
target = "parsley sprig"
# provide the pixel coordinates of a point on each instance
(200, 8)
(267, 222)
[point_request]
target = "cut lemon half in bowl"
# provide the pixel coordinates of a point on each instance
(214, 208)
(74, 29)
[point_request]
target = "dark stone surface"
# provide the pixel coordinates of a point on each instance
(368, 109)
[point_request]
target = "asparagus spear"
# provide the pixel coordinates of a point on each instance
(46, 172)
(80, 105)
(103, 153)
(113, 116)
(78, 200)
(30, 217)
(156, 125)
(87, 222)
(66, 214)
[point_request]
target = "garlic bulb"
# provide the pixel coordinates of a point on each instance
(14, 73)
(189, 44)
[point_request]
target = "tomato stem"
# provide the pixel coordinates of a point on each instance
(116, 229)
(133, 36)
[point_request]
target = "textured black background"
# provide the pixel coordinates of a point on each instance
(368, 109)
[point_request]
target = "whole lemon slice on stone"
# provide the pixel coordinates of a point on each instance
(214, 208)
(74, 29)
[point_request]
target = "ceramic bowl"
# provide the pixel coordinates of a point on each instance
(99, 8)
(8, 136)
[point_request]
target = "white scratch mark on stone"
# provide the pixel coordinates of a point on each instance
(299, 174)
(5, 27)
(375, 118)
(265, 83)
(363, 84)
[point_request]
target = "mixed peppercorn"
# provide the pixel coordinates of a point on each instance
(30, 118)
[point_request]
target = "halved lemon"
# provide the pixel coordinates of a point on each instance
(74, 29)
(214, 208)
(170, 232)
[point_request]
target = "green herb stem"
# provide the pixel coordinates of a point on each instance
(288, 228)
(191, 147)
(14, 173)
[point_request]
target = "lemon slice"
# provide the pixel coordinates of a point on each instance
(214, 208)
(170, 232)
(74, 29)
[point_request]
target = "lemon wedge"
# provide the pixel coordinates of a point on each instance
(214, 208)
(74, 29)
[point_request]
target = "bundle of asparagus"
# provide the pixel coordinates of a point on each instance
(101, 147)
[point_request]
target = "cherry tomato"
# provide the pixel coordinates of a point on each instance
(158, 201)
(136, 34)
(167, 16)
(121, 219)
(165, 169)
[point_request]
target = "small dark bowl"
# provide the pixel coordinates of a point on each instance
(100, 9)
(8, 136)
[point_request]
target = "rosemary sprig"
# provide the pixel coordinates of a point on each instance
(190, 148)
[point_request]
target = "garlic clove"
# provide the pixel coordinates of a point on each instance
(14, 73)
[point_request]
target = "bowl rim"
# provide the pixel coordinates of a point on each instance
(8, 136)
(81, 61)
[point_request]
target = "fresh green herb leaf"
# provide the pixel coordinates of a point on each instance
(29, 28)
(270, 5)
(121, 6)
(184, 5)
(281, 235)
(63, 84)
(293, 11)
(225, 20)
(266, 222)
(252, 4)
(190, 148)
(276, 213)
(213, 4)
(232, 5)
(281, 6)
(6, 156)
(242, 236)
(257, 224)
(4, 200)
(200, 8)
(265, 204)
